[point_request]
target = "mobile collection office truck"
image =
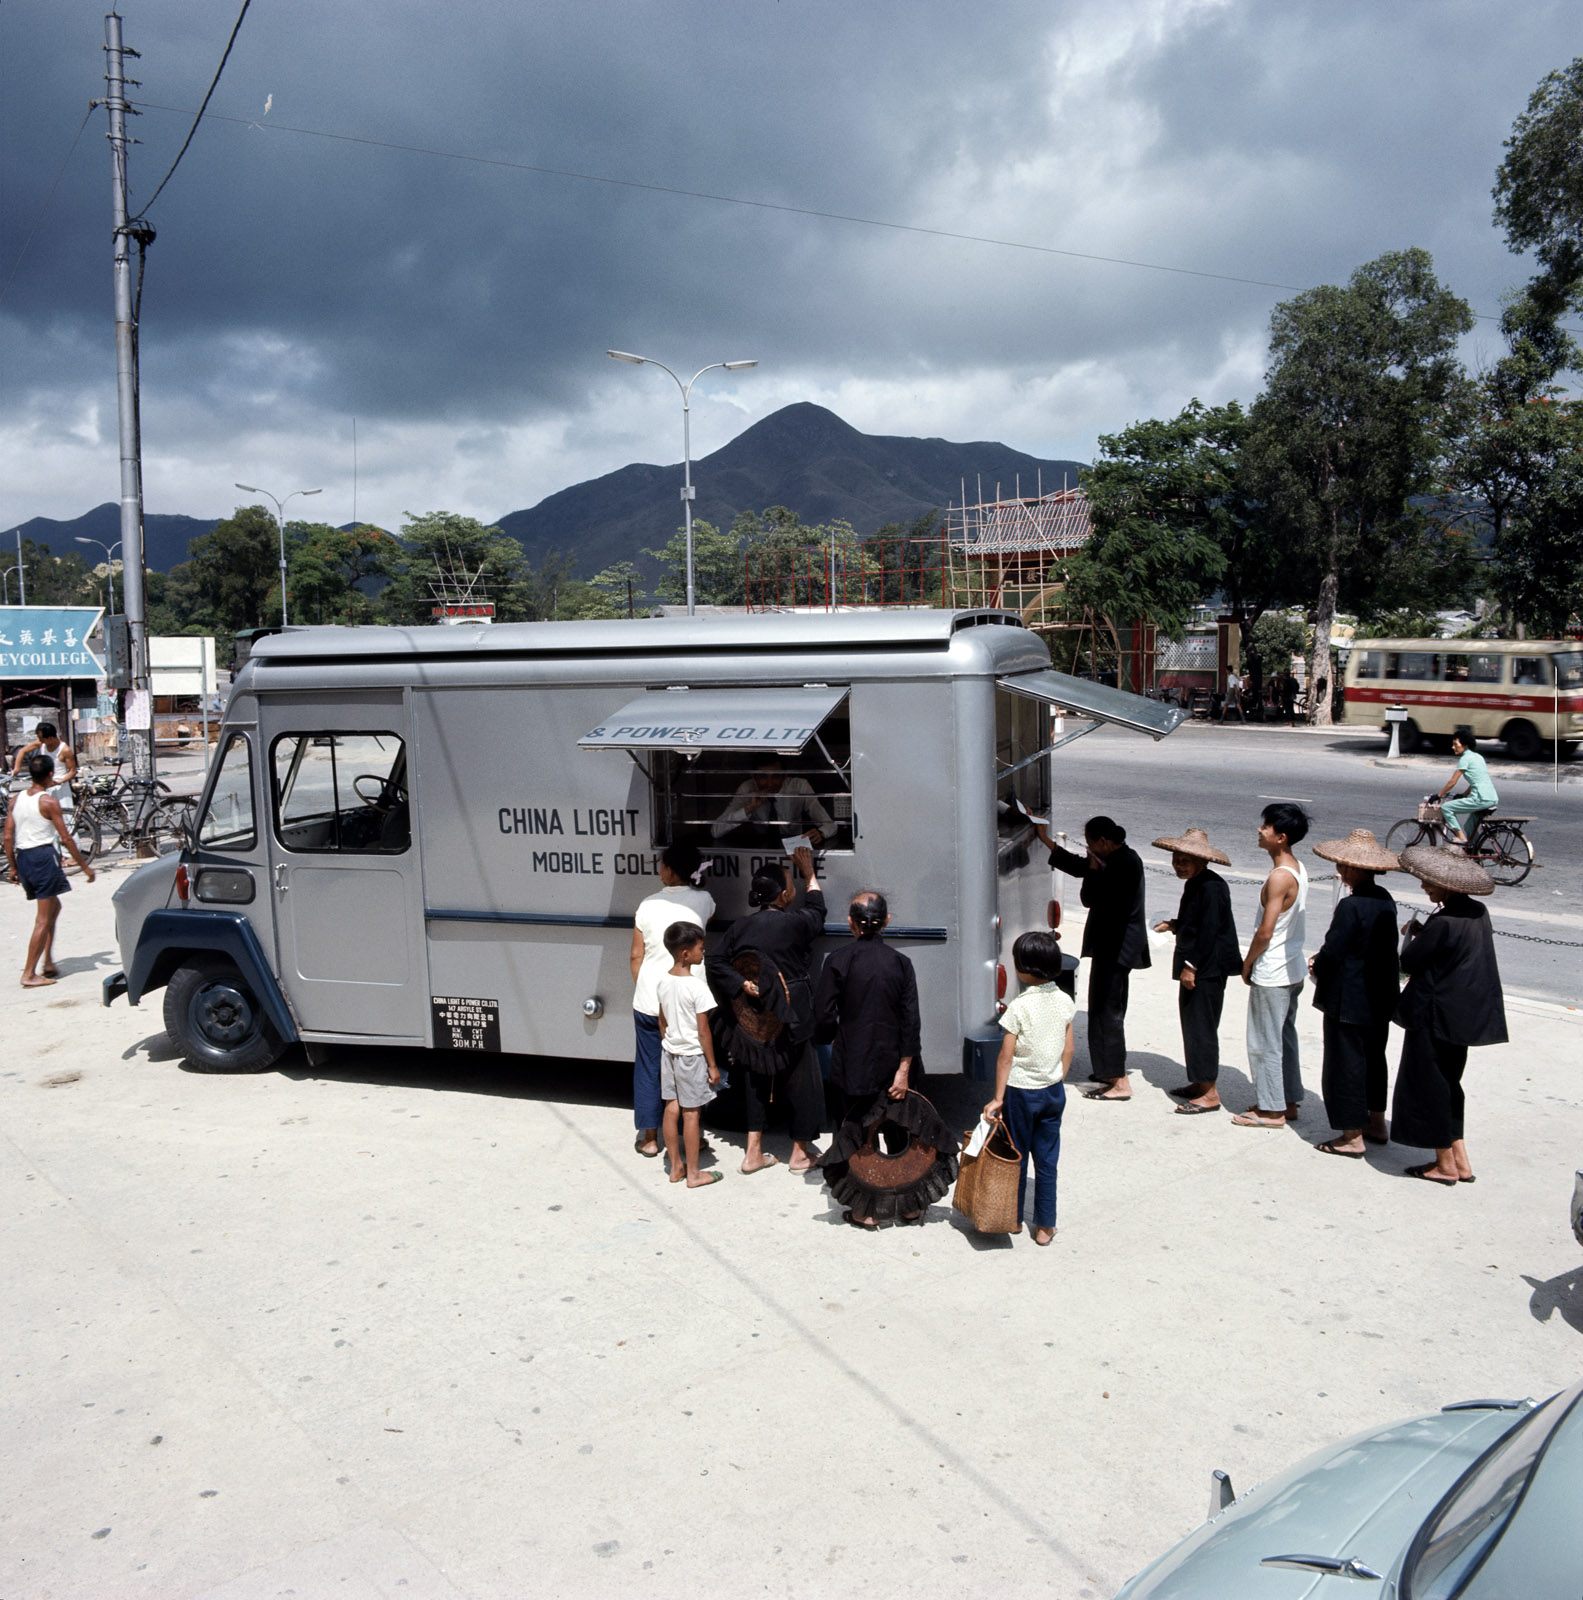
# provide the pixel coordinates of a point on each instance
(437, 837)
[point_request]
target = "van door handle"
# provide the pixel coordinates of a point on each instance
(280, 878)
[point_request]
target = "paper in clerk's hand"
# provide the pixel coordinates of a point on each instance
(795, 842)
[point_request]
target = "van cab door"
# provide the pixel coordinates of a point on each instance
(345, 879)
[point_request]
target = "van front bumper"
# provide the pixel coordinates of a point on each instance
(114, 987)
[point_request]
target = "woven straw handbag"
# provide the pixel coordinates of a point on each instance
(986, 1184)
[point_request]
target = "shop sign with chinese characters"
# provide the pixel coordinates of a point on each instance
(48, 642)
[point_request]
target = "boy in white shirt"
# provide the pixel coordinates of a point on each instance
(688, 1073)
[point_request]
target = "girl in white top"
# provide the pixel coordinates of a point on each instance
(680, 899)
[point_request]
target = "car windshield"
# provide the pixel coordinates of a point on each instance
(1461, 1532)
(1569, 669)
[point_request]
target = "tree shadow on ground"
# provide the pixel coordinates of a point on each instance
(1563, 1294)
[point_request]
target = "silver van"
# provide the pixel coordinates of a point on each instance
(437, 837)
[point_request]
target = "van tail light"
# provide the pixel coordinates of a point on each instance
(1053, 914)
(1000, 981)
(183, 886)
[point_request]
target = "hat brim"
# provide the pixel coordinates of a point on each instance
(1194, 847)
(1446, 869)
(1347, 853)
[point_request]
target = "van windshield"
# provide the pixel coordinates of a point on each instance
(1569, 669)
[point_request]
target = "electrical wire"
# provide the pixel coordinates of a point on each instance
(213, 85)
(47, 198)
(758, 205)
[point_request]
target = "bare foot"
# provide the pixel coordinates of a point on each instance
(678, 1174)
(1353, 1144)
(765, 1160)
(36, 982)
(1259, 1119)
(1043, 1235)
(702, 1180)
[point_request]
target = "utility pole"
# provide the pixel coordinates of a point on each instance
(132, 590)
(21, 571)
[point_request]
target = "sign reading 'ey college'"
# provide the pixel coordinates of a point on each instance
(49, 642)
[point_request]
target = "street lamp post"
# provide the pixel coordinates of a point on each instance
(109, 563)
(280, 521)
(687, 440)
(5, 585)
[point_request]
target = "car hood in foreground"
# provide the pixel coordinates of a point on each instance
(1363, 1499)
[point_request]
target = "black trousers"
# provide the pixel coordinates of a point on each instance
(1426, 1110)
(1354, 1076)
(1107, 1019)
(1200, 1008)
(798, 1088)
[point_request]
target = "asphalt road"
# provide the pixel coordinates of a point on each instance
(1219, 779)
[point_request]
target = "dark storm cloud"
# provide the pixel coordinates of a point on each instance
(297, 276)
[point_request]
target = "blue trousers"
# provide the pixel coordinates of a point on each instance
(1033, 1119)
(647, 1107)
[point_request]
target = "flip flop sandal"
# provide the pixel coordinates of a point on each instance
(637, 1144)
(1422, 1172)
(1329, 1148)
(768, 1162)
(1103, 1094)
(707, 1178)
(1188, 1109)
(1245, 1119)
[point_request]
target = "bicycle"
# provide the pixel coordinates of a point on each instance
(137, 811)
(1498, 844)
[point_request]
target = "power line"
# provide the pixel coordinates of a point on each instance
(763, 205)
(213, 85)
(47, 198)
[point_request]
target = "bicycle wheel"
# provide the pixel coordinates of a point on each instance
(84, 828)
(1505, 853)
(1408, 832)
(169, 826)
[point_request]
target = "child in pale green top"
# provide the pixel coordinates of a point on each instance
(1035, 1056)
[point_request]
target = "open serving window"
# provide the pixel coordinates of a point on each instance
(740, 769)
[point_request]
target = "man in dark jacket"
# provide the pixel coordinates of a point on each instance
(1115, 940)
(1355, 986)
(1206, 954)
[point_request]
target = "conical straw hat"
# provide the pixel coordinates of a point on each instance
(1195, 842)
(1446, 868)
(1359, 849)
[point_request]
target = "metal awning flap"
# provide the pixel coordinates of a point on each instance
(1098, 700)
(783, 719)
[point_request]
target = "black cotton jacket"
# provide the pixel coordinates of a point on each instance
(1113, 893)
(1355, 974)
(867, 1003)
(1453, 984)
(1206, 934)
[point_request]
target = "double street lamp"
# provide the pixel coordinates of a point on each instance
(688, 492)
(109, 563)
(280, 520)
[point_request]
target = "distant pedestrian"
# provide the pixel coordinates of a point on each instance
(1115, 940)
(1355, 986)
(1233, 696)
(1289, 696)
(679, 899)
(1274, 970)
(1206, 954)
(1463, 814)
(1453, 1001)
(1035, 1057)
(35, 828)
(688, 1073)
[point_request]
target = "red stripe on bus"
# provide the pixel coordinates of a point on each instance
(1357, 694)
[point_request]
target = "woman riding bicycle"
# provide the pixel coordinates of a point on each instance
(1480, 797)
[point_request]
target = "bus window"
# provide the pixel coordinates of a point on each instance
(1569, 669)
(1530, 670)
(1456, 669)
(1416, 666)
(1371, 664)
(228, 820)
(1483, 668)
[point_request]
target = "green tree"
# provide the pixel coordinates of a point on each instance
(233, 574)
(441, 549)
(906, 561)
(717, 566)
(52, 580)
(327, 568)
(1350, 433)
(622, 586)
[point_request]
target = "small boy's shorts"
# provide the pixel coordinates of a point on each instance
(685, 1079)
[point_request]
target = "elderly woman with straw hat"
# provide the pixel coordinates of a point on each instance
(1355, 986)
(1452, 1002)
(1206, 954)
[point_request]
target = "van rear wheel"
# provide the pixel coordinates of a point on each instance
(216, 1021)
(1522, 740)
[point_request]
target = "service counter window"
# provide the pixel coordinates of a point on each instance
(1022, 767)
(338, 793)
(753, 800)
(227, 822)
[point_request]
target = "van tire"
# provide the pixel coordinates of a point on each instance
(1522, 740)
(215, 1020)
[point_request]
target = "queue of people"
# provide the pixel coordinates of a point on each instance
(749, 999)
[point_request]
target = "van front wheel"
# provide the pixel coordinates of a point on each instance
(1522, 740)
(215, 1019)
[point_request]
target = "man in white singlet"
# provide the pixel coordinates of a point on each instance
(1274, 971)
(48, 742)
(35, 829)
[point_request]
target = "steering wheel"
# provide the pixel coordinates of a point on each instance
(387, 795)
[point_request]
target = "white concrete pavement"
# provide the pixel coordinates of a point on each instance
(412, 1326)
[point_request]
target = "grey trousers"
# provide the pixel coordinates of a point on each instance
(1272, 1045)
